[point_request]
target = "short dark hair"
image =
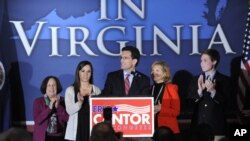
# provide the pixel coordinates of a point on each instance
(107, 114)
(135, 54)
(164, 133)
(45, 82)
(213, 54)
(103, 132)
(16, 133)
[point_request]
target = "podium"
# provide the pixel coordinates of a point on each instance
(133, 116)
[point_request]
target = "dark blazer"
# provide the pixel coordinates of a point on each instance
(211, 111)
(114, 85)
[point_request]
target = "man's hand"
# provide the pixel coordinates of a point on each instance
(201, 85)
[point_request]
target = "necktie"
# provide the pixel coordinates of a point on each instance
(127, 84)
(208, 77)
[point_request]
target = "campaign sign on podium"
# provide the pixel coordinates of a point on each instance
(134, 116)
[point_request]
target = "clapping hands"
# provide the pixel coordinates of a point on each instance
(201, 84)
(209, 84)
(80, 97)
(54, 102)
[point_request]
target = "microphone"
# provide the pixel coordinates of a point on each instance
(135, 73)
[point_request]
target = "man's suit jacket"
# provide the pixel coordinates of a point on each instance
(211, 111)
(114, 85)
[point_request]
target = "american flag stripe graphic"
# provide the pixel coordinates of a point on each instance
(244, 77)
(133, 109)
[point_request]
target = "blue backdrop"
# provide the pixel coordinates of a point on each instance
(50, 37)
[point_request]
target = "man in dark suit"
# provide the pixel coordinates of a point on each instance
(210, 90)
(127, 81)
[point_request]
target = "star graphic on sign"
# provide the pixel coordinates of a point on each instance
(115, 109)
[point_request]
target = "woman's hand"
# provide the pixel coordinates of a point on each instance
(57, 101)
(80, 98)
(157, 108)
(54, 102)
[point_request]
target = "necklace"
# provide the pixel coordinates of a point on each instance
(153, 90)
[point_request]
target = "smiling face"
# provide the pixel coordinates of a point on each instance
(85, 73)
(206, 63)
(127, 62)
(158, 74)
(51, 88)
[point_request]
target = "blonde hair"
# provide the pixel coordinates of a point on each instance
(165, 70)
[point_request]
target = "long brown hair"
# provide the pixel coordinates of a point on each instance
(80, 65)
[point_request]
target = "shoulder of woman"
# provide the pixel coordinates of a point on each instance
(95, 87)
(96, 90)
(171, 85)
(69, 91)
(38, 100)
(70, 88)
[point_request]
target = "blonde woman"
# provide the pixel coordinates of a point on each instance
(166, 97)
